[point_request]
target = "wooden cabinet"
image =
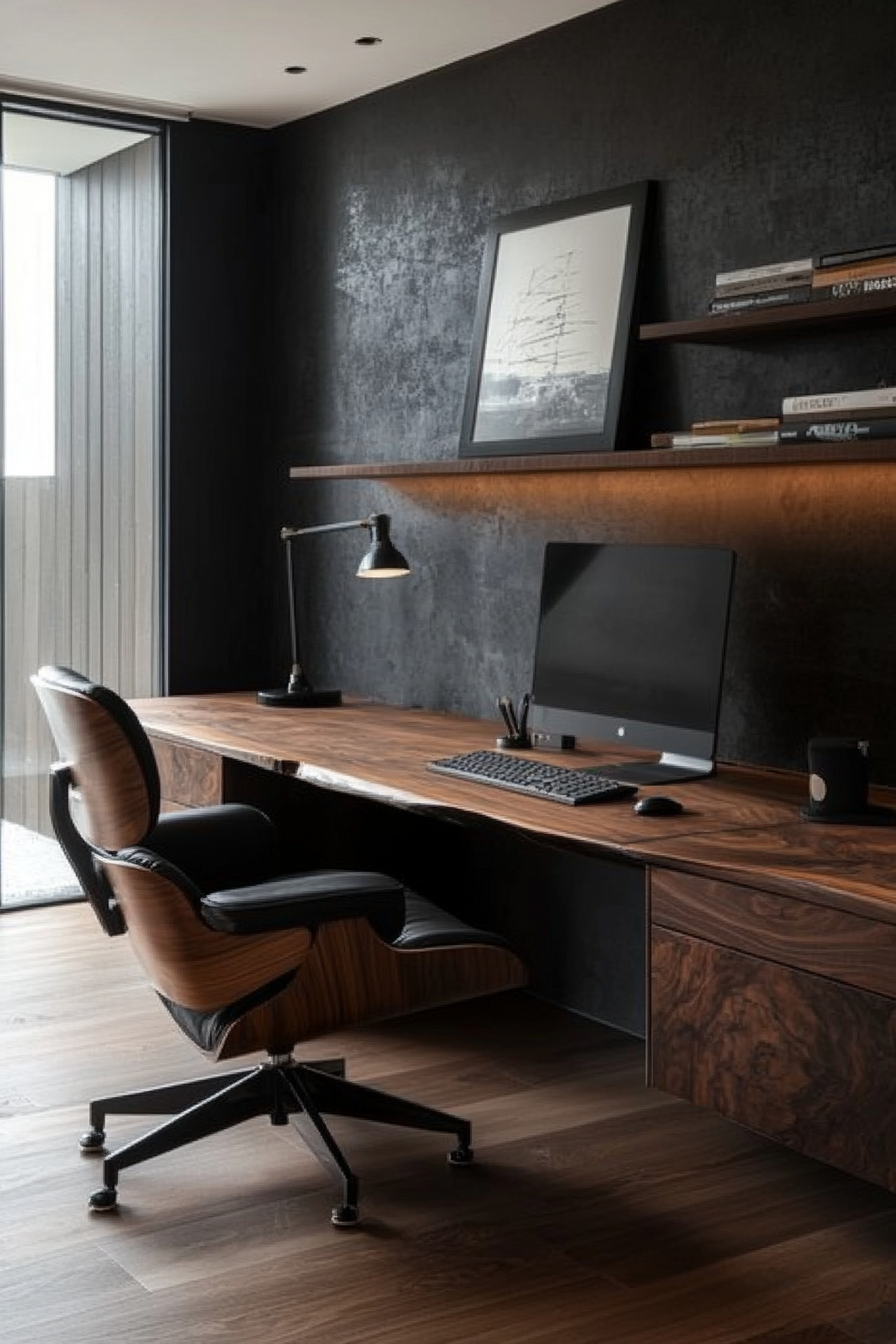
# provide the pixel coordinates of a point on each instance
(778, 1013)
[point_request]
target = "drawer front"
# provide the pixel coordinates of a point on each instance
(799, 1058)
(189, 776)
(849, 948)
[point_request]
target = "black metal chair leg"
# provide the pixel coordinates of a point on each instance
(310, 1124)
(175, 1097)
(249, 1095)
(339, 1096)
(168, 1100)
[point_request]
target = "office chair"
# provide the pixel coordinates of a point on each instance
(244, 957)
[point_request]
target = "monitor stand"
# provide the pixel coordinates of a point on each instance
(667, 769)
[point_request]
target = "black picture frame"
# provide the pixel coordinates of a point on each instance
(554, 326)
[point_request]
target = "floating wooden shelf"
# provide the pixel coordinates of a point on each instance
(868, 450)
(727, 328)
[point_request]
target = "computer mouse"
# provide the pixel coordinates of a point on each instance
(657, 805)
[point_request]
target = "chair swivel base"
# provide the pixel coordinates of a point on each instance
(280, 1088)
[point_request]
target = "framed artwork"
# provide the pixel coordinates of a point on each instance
(554, 326)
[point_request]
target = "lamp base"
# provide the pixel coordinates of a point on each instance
(282, 698)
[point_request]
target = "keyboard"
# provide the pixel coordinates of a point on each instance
(558, 783)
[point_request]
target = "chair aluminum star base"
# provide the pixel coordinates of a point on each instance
(280, 1088)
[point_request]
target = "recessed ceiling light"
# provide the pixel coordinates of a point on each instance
(368, 41)
(296, 70)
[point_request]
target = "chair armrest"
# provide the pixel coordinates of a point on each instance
(80, 855)
(305, 900)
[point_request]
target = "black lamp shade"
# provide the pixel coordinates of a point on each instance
(383, 560)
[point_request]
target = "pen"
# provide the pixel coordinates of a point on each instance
(504, 707)
(524, 715)
(511, 716)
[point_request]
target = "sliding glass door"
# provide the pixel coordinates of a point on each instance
(81, 287)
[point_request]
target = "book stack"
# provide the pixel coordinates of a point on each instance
(865, 270)
(839, 417)
(759, 432)
(763, 286)
(816, 417)
(833, 275)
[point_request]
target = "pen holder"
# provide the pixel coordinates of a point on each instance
(838, 784)
(514, 742)
(516, 721)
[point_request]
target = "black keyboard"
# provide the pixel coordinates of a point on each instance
(559, 783)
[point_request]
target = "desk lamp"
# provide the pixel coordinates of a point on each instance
(382, 561)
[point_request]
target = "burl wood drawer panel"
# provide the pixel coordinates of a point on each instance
(189, 776)
(799, 1057)
(857, 950)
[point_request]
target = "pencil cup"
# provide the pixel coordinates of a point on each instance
(838, 777)
(514, 742)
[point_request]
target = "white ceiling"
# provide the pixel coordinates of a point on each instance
(224, 59)
(63, 147)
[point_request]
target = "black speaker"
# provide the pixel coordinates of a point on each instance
(838, 783)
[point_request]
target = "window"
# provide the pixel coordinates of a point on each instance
(29, 322)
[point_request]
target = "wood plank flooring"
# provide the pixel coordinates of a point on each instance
(597, 1209)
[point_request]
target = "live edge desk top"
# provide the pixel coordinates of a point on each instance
(742, 825)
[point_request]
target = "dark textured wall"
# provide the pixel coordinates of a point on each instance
(219, 477)
(770, 130)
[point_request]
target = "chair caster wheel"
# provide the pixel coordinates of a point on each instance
(461, 1156)
(102, 1201)
(93, 1140)
(345, 1215)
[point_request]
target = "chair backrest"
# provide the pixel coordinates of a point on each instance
(114, 792)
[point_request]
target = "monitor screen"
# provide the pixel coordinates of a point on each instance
(631, 650)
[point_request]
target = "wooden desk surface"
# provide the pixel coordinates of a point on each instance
(741, 824)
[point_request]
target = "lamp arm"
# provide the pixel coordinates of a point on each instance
(287, 533)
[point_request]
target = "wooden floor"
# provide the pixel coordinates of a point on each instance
(597, 1210)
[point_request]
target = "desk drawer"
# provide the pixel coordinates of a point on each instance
(851, 949)
(778, 1014)
(189, 776)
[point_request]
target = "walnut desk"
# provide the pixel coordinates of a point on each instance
(770, 948)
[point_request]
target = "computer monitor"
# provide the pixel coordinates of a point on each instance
(631, 650)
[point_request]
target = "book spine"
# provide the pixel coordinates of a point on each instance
(862, 270)
(827, 413)
(776, 269)
(835, 403)
(744, 426)
(857, 254)
(850, 289)
(838, 431)
(739, 303)
(759, 439)
(733, 288)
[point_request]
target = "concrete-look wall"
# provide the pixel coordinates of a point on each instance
(770, 131)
